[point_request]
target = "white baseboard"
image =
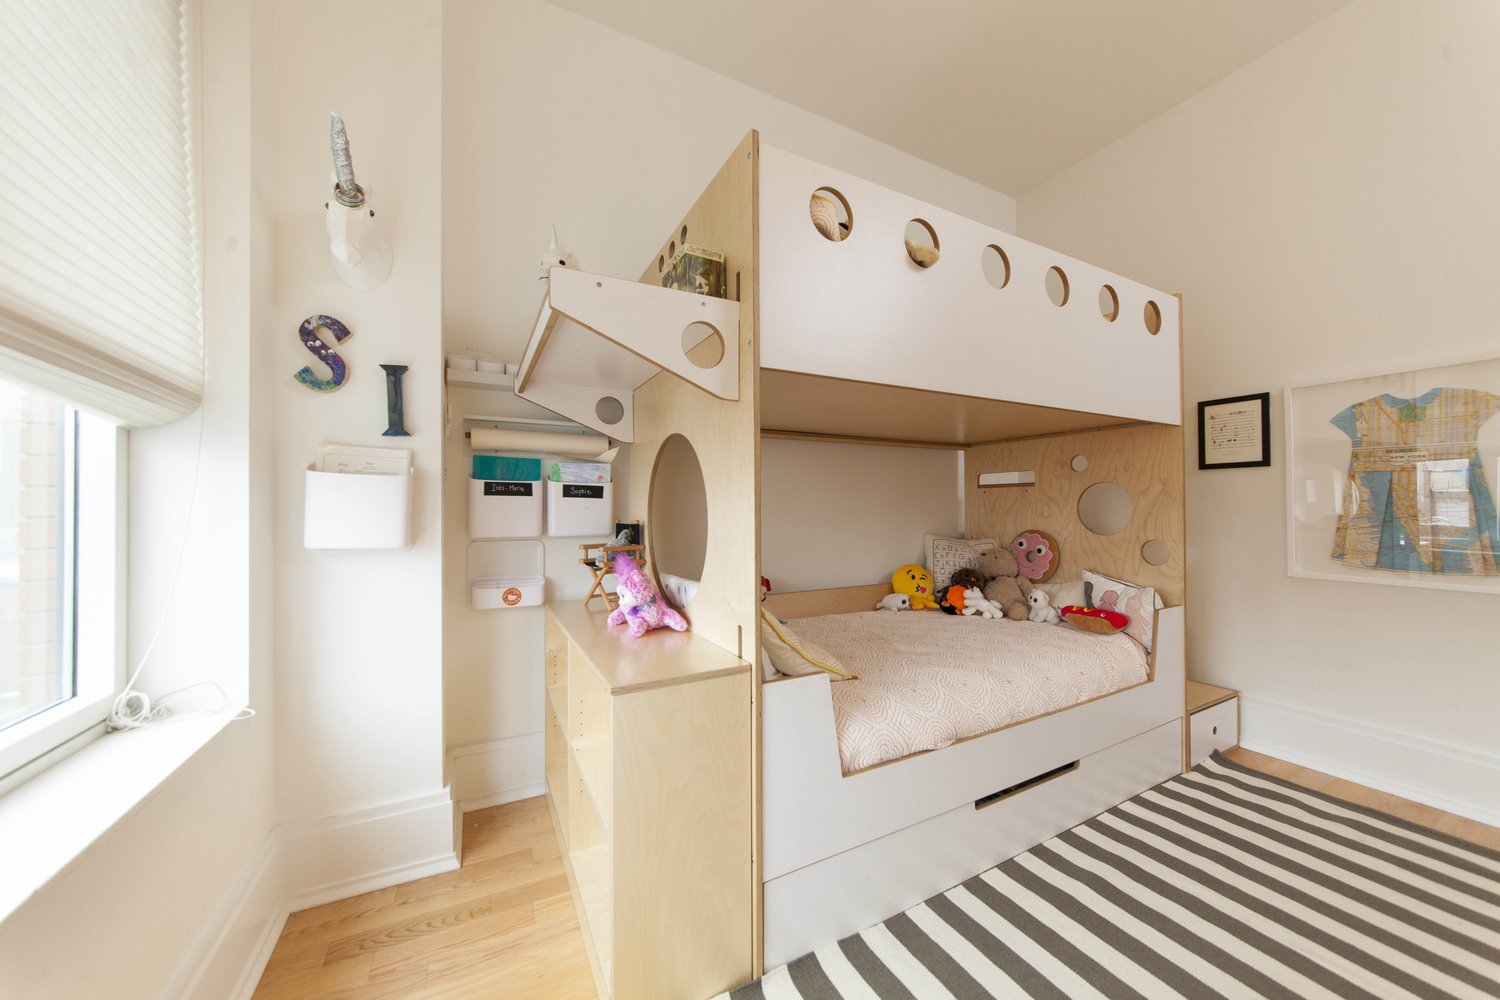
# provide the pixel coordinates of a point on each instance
(498, 771)
(1454, 779)
(351, 853)
(247, 922)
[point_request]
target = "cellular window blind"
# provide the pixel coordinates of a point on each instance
(99, 275)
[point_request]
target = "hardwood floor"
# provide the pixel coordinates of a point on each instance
(503, 925)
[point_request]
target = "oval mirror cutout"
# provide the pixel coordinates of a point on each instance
(702, 345)
(1156, 552)
(995, 265)
(609, 410)
(1057, 286)
(1079, 463)
(830, 214)
(1105, 508)
(678, 530)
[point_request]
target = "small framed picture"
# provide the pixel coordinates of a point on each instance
(1235, 432)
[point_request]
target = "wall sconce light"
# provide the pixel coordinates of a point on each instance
(361, 255)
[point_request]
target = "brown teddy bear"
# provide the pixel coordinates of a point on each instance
(999, 568)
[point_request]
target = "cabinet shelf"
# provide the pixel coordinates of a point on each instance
(599, 338)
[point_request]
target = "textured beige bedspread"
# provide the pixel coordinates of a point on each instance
(927, 679)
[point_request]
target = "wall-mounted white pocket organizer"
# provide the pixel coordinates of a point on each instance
(356, 511)
(506, 574)
(504, 509)
(575, 509)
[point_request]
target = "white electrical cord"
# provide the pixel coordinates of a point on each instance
(134, 709)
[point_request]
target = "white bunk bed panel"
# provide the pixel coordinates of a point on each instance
(811, 811)
(860, 310)
(844, 894)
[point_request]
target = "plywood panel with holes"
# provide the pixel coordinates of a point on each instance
(833, 601)
(682, 817)
(1146, 461)
(725, 435)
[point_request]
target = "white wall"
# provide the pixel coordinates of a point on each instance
(359, 636)
(551, 118)
(1329, 210)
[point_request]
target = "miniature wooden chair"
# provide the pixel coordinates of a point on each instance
(599, 557)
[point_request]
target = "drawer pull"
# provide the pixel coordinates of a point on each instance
(1021, 786)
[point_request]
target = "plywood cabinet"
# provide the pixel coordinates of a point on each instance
(648, 778)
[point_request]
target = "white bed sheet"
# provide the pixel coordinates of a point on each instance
(927, 680)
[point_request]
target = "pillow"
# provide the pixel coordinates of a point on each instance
(946, 555)
(1059, 592)
(1136, 603)
(793, 656)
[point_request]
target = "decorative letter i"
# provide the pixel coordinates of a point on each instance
(395, 405)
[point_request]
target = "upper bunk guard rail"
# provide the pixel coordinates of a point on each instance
(858, 311)
(597, 339)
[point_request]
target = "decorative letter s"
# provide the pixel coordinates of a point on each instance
(308, 331)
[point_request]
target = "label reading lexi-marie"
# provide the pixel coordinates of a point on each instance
(507, 489)
(579, 492)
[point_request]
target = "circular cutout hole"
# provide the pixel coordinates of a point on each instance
(609, 410)
(995, 265)
(1155, 552)
(1216, 730)
(672, 249)
(703, 345)
(683, 235)
(1057, 286)
(1109, 303)
(1105, 508)
(922, 243)
(678, 530)
(1153, 318)
(831, 215)
(1079, 463)
(661, 264)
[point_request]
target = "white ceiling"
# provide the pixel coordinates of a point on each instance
(1004, 92)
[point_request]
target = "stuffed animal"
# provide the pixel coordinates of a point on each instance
(916, 583)
(975, 603)
(1096, 620)
(641, 604)
(1036, 555)
(999, 567)
(894, 602)
(952, 601)
(922, 254)
(1041, 608)
(968, 577)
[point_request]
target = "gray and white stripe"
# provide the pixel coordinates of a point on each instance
(1223, 882)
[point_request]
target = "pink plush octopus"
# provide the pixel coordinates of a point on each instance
(641, 605)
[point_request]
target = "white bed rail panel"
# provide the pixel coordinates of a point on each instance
(844, 894)
(810, 811)
(859, 309)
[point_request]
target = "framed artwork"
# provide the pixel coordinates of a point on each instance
(1235, 432)
(1390, 478)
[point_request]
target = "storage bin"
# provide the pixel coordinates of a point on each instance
(575, 509)
(505, 509)
(356, 512)
(506, 592)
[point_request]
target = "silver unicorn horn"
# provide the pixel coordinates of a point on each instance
(348, 193)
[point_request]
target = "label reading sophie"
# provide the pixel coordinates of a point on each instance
(507, 489)
(579, 492)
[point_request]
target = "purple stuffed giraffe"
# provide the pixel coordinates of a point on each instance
(641, 604)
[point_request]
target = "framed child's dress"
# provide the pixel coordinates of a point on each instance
(1390, 478)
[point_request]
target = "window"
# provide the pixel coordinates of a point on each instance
(100, 313)
(59, 662)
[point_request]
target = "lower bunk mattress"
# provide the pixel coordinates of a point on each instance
(928, 680)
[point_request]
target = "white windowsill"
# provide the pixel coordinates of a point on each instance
(53, 818)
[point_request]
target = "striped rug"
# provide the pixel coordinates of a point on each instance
(1223, 882)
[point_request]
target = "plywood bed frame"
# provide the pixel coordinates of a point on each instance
(851, 341)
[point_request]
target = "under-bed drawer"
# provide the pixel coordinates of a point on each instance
(838, 896)
(1213, 728)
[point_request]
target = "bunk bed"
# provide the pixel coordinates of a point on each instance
(848, 339)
